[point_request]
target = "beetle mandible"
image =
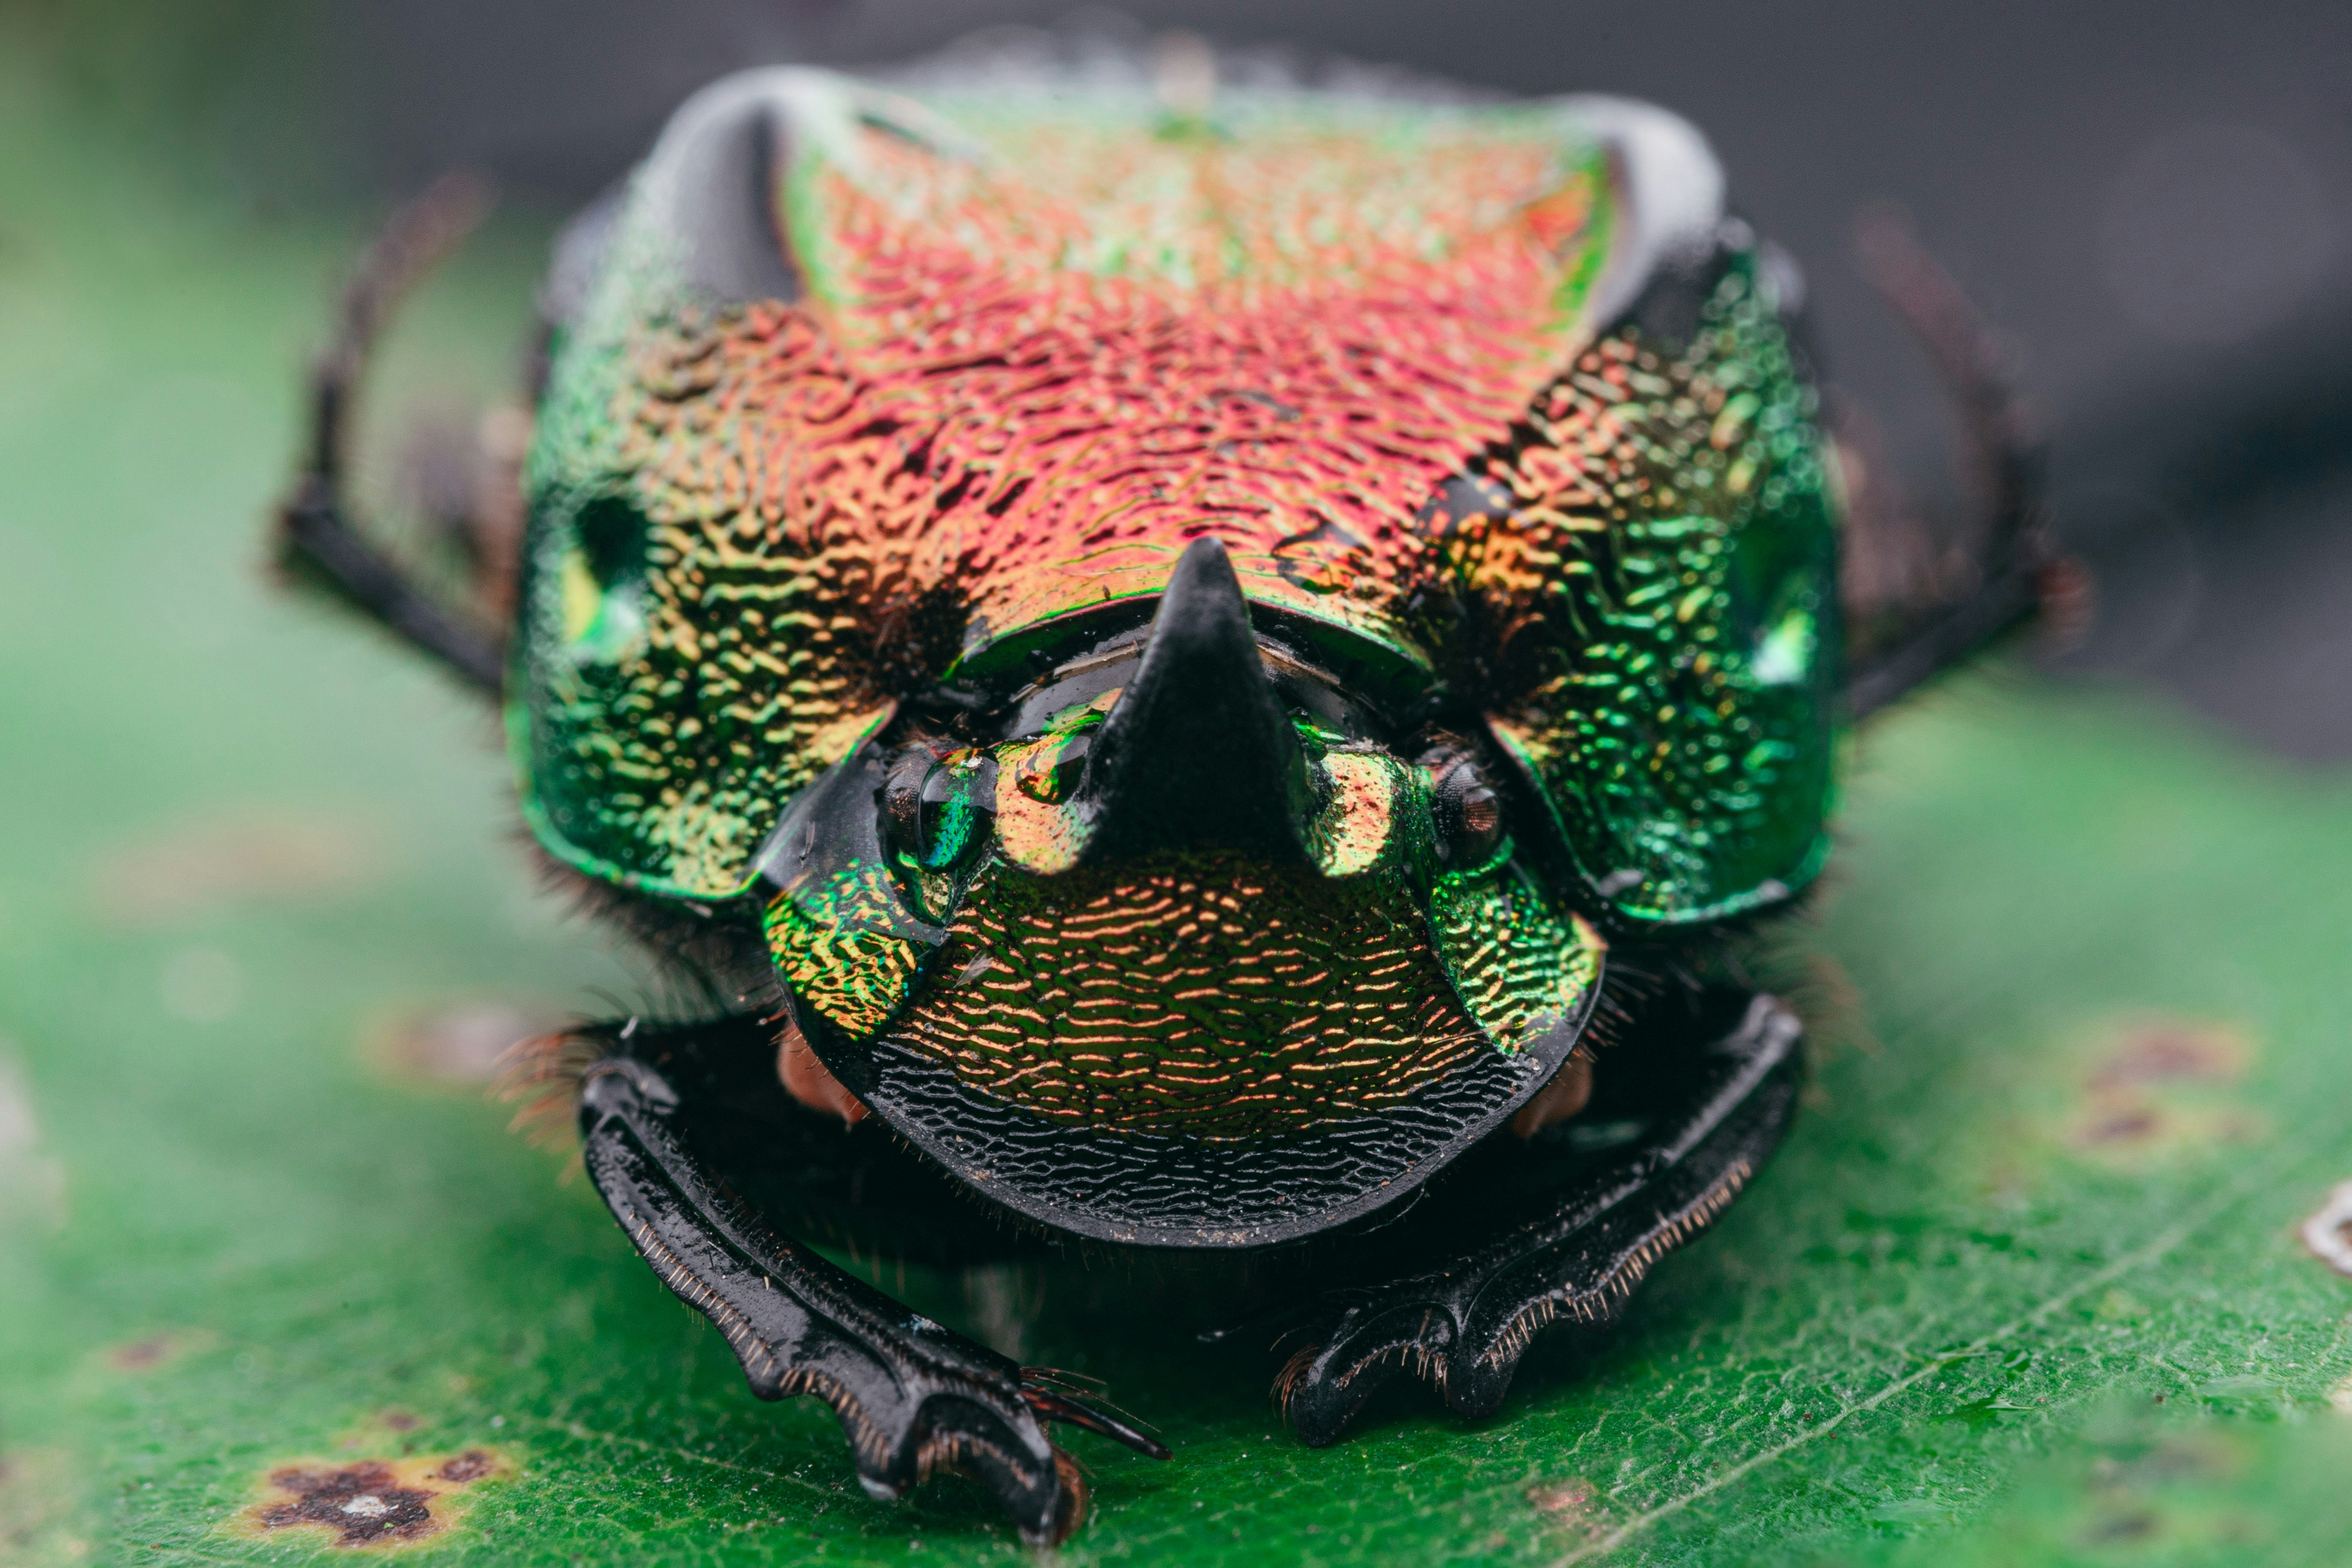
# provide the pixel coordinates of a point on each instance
(1229, 671)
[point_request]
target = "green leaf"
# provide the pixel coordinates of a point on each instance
(2024, 1287)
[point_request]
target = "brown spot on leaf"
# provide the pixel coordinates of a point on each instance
(2160, 1050)
(359, 1503)
(399, 1420)
(470, 1465)
(2156, 1086)
(1573, 1506)
(251, 853)
(150, 1351)
(2130, 1124)
(1569, 1499)
(370, 1502)
(2137, 1525)
(2151, 1497)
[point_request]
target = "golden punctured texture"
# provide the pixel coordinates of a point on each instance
(1199, 994)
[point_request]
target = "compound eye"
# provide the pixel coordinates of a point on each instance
(1469, 813)
(938, 811)
(599, 583)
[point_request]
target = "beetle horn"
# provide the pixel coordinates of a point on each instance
(1199, 748)
(715, 183)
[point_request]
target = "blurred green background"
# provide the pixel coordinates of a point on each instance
(2025, 1287)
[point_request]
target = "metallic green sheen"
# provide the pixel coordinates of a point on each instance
(1684, 732)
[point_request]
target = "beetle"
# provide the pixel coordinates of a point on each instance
(1234, 674)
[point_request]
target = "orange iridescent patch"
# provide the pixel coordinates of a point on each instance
(1021, 383)
(969, 411)
(1204, 995)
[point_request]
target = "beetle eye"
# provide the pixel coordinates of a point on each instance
(1468, 810)
(937, 811)
(600, 580)
(1050, 774)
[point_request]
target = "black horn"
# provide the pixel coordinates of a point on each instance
(1199, 749)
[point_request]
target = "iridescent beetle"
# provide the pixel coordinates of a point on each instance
(1227, 672)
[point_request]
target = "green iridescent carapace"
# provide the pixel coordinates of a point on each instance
(1494, 415)
(756, 522)
(1680, 696)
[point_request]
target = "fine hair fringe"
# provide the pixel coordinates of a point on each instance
(709, 961)
(541, 1076)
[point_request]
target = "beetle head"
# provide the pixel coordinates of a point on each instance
(1184, 911)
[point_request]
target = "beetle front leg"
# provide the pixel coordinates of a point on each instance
(912, 1397)
(1464, 1325)
(318, 541)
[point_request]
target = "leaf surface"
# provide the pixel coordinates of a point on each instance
(2024, 1287)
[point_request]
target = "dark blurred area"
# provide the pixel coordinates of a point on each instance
(2153, 201)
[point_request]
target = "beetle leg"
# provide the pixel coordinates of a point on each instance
(2019, 573)
(912, 1397)
(317, 542)
(1465, 1325)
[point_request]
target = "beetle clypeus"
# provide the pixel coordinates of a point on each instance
(1230, 673)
